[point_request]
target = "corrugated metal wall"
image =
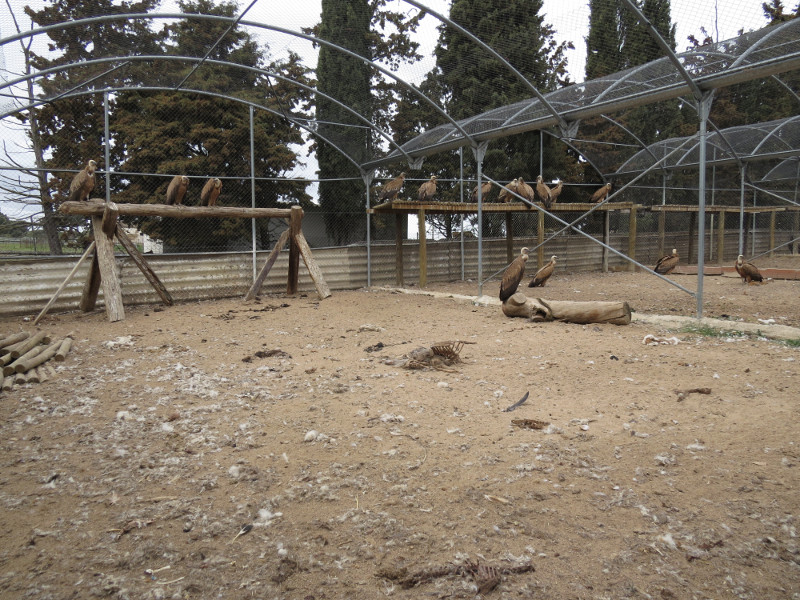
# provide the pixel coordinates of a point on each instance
(26, 285)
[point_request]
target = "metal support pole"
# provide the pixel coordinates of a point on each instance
(541, 153)
(741, 211)
(461, 161)
(704, 106)
(480, 152)
(367, 177)
(253, 187)
(107, 149)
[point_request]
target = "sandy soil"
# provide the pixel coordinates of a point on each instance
(294, 422)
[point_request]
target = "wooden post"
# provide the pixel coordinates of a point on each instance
(692, 224)
(632, 237)
(134, 253)
(60, 289)
(110, 214)
(606, 237)
(772, 216)
(109, 279)
(423, 249)
(662, 226)
(398, 248)
(91, 286)
(721, 238)
(295, 226)
(540, 241)
(323, 291)
(509, 238)
(255, 289)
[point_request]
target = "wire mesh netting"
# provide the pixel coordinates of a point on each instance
(288, 106)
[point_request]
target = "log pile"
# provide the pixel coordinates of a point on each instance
(23, 357)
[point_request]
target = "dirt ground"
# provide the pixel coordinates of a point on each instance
(296, 424)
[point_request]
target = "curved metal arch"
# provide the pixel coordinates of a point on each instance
(773, 131)
(171, 57)
(578, 150)
(494, 53)
(190, 91)
(197, 16)
(758, 42)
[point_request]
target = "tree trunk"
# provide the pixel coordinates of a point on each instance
(536, 309)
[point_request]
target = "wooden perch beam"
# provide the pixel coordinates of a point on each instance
(96, 207)
(536, 309)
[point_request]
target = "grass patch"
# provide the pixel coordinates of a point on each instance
(708, 331)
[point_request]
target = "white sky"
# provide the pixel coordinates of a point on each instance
(569, 18)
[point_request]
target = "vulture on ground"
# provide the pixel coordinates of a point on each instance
(505, 195)
(666, 264)
(543, 191)
(543, 274)
(524, 190)
(177, 189)
(210, 193)
(555, 192)
(83, 183)
(391, 189)
(748, 271)
(485, 189)
(601, 194)
(427, 190)
(513, 275)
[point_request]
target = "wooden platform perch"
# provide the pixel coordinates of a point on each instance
(103, 272)
(537, 309)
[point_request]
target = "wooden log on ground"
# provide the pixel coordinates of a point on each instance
(5, 359)
(37, 338)
(32, 376)
(255, 289)
(42, 373)
(537, 309)
(11, 368)
(50, 370)
(96, 207)
(14, 338)
(2, 380)
(23, 366)
(7, 383)
(60, 289)
(63, 349)
(20, 378)
(323, 291)
(137, 257)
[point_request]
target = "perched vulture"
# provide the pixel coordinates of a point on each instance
(505, 195)
(748, 271)
(177, 189)
(427, 190)
(555, 192)
(524, 190)
(210, 193)
(485, 189)
(543, 274)
(601, 194)
(666, 264)
(513, 275)
(543, 191)
(83, 183)
(391, 189)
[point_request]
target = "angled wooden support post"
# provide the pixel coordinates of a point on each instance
(255, 289)
(295, 228)
(137, 257)
(60, 289)
(323, 291)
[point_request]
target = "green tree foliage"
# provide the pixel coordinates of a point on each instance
(70, 130)
(372, 31)
(12, 228)
(203, 136)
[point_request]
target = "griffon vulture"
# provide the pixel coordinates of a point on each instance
(601, 194)
(513, 275)
(543, 191)
(427, 190)
(177, 189)
(748, 271)
(524, 190)
(505, 195)
(666, 264)
(555, 192)
(83, 183)
(543, 274)
(210, 193)
(391, 189)
(485, 189)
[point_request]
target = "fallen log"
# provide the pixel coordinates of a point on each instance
(11, 368)
(539, 310)
(21, 348)
(63, 349)
(23, 366)
(14, 338)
